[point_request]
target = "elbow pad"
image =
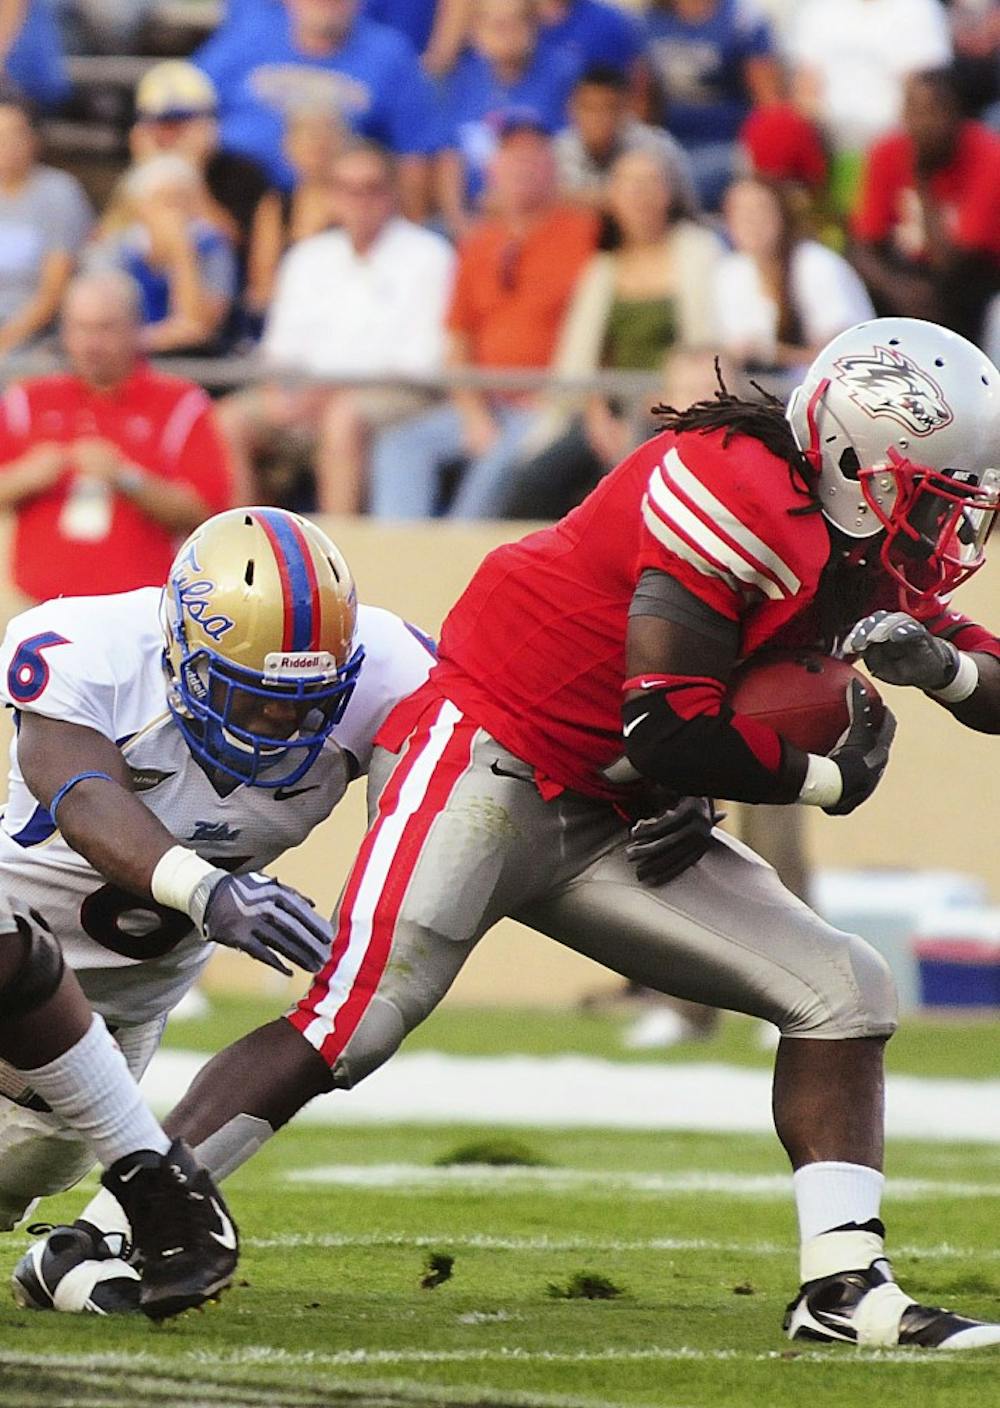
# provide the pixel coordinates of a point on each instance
(683, 735)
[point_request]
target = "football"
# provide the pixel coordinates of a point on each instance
(802, 694)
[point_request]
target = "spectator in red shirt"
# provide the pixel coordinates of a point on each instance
(107, 465)
(927, 227)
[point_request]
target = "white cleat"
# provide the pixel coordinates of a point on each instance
(868, 1309)
(76, 1271)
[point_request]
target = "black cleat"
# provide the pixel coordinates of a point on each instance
(181, 1228)
(868, 1309)
(76, 1270)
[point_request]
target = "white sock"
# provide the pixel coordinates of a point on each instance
(92, 1091)
(828, 1195)
(106, 1213)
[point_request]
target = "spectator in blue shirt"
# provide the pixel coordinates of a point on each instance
(437, 29)
(415, 18)
(505, 69)
(593, 31)
(248, 12)
(316, 52)
(31, 55)
(709, 62)
(184, 266)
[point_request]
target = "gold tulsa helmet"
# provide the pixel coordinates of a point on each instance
(259, 612)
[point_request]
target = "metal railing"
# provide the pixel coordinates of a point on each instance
(231, 373)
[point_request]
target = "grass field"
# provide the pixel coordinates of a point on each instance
(696, 1233)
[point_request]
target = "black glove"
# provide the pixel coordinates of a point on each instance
(862, 752)
(899, 650)
(264, 918)
(664, 846)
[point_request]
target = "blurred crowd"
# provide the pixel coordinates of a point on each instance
(395, 190)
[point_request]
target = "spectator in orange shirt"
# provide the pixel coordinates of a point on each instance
(516, 273)
(108, 465)
(927, 227)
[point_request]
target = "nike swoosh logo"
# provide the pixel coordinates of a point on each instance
(127, 1177)
(286, 796)
(227, 1237)
(498, 771)
(633, 723)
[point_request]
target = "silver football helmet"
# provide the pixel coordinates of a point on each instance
(900, 419)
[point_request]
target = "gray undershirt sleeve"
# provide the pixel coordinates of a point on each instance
(658, 594)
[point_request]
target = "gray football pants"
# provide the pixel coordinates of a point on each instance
(459, 836)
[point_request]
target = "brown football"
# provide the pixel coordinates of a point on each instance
(802, 694)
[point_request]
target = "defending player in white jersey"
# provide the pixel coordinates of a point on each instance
(169, 744)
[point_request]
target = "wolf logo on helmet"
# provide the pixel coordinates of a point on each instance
(885, 382)
(259, 612)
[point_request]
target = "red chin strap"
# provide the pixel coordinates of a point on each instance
(814, 453)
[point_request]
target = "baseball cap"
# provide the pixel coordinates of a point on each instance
(784, 145)
(174, 90)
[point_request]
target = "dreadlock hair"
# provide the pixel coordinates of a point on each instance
(764, 420)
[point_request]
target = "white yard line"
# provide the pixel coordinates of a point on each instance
(581, 1092)
(447, 1241)
(422, 1179)
(174, 1382)
(504, 1354)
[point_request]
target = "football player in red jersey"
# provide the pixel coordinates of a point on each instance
(590, 660)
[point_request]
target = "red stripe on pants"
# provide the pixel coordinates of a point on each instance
(447, 771)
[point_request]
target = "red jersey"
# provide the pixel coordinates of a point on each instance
(534, 650)
(968, 189)
(161, 424)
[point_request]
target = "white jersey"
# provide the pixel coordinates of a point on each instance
(97, 661)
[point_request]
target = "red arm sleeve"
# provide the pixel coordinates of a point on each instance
(964, 633)
(681, 732)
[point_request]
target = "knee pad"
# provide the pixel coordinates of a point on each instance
(856, 997)
(39, 973)
(876, 988)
